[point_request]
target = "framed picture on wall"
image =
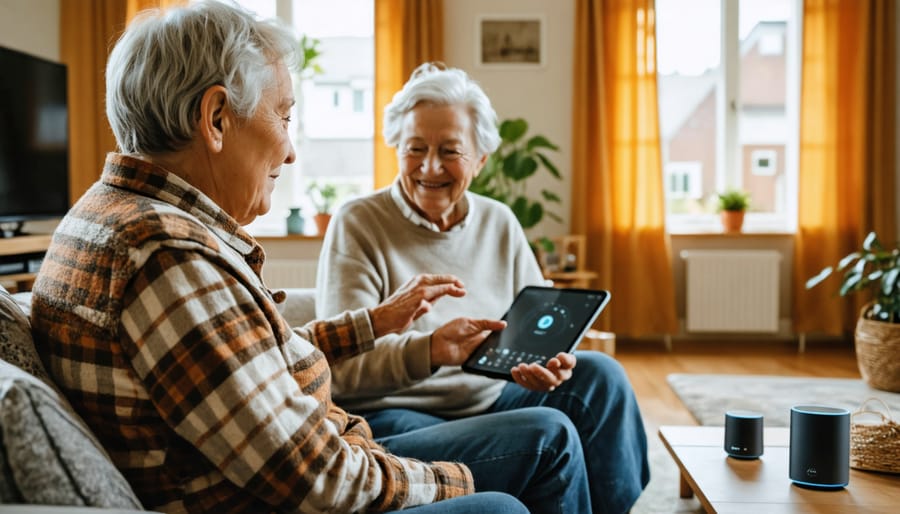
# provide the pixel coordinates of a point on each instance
(510, 41)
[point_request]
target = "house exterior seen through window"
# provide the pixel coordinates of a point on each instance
(333, 123)
(728, 91)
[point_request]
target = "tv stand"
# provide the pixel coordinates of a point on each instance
(11, 229)
(22, 248)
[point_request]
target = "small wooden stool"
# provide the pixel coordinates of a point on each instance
(600, 341)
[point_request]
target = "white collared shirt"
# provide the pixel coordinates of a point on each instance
(409, 213)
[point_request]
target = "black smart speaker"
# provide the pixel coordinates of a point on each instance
(820, 446)
(743, 434)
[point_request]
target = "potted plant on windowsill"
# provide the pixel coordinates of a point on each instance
(323, 197)
(515, 161)
(874, 269)
(733, 203)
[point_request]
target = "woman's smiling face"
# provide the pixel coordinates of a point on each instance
(438, 160)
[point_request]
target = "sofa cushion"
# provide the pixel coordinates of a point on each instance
(48, 454)
(16, 344)
(299, 306)
(52, 456)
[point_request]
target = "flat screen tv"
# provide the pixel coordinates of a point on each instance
(34, 139)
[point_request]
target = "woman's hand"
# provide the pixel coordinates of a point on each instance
(538, 378)
(411, 301)
(453, 342)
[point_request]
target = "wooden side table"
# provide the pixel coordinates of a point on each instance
(577, 279)
(563, 271)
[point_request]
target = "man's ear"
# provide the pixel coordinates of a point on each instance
(213, 114)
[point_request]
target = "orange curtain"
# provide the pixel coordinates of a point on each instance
(617, 186)
(847, 137)
(88, 31)
(407, 33)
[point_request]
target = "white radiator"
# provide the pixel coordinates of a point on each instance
(279, 273)
(732, 290)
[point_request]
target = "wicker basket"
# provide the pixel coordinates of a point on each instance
(874, 446)
(878, 352)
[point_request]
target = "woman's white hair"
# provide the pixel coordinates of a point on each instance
(435, 83)
(164, 62)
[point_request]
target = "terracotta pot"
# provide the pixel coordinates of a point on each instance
(322, 220)
(732, 221)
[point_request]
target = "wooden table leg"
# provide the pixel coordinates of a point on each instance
(684, 488)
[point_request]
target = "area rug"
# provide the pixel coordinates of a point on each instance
(708, 397)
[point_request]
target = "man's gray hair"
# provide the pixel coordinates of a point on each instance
(435, 83)
(166, 59)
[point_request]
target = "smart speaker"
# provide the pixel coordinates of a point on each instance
(743, 434)
(820, 446)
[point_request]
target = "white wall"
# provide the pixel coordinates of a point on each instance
(31, 26)
(542, 96)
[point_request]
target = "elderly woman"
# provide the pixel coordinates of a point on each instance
(444, 129)
(151, 314)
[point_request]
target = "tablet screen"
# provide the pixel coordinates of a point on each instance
(541, 322)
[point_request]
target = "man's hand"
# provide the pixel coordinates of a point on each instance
(411, 301)
(538, 378)
(453, 342)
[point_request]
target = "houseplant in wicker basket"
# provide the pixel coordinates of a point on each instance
(875, 269)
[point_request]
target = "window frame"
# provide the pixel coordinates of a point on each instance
(728, 149)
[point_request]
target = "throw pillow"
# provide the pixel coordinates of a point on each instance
(16, 344)
(52, 456)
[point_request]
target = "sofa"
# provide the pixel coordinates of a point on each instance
(50, 462)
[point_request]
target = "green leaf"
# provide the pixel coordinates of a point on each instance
(519, 167)
(547, 244)
(553, 216)
(550, 196)
(512, 130)
(816, 280)
(528, 214)
(889, 281)
(539, 142)
(847, 260)
(549, 165)
(871, 242)
(535, 215)
(860, 266)
(851, 282)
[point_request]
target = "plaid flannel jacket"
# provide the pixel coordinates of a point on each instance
(150, 313)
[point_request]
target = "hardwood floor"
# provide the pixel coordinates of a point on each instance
(648, 364)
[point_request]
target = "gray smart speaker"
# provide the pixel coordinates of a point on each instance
(743, 434)
(820, 446)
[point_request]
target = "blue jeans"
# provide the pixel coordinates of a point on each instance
(598, 400)
(531, 453)
(478, 503)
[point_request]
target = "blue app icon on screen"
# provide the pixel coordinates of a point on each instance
(545, 321)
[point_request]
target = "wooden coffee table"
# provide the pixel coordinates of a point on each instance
(724, 484)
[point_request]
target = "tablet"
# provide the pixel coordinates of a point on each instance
(541, 322)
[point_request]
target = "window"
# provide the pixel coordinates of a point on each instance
(683, 180)
(762, 162)
(334, 119)
(728, 75)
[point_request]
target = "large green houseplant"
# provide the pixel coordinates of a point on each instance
(874, 269)
(517, 159)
